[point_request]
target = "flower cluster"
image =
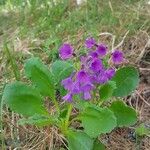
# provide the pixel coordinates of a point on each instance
(92, 71)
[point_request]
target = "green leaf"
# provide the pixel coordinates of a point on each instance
(97, 120)
(79, 103)
(142, 130)
(98, 145)
(61, 70)
(23, 99)
(78, 140)
(127, 79)
(40, 76)
(106, 90)
(37, 120)
(126, 116)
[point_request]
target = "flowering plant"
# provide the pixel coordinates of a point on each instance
(91, 87)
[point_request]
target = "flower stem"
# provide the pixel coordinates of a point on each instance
(68, 116)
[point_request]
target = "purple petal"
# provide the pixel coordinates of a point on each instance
(67, 83)
(76, 88)
(93, 78)
(68, 97)
(83, 59)
(87, 87)
(96, 65)
(94, 54)
(86, 95)
(110, 73)
(90, 42)
(82, 76)
(101, 50)
(102, 77)
(117, 57)
(65, 51)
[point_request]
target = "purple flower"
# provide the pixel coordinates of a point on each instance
(90, 42)
(94, 54)
(68, 97)
(67, 83)
(117, 57)
(102, 79)
(110, 73)
(86, 88)
(93, 78)
(92, 71)
(82, 76)
(96, 65)
(101, 49)
(86, 95)
(106, 75)
(75, 88)
(65, 51)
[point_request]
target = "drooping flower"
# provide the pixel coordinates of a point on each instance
(68, 97)
(90, 42)
(86, 89)
(76, 88)
(86, 95)
(96, 65)
(67, 83)
(66, 51)
(117, 57)
(101, 50)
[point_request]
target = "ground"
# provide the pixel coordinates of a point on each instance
(39, 27)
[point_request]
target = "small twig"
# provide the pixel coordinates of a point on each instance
(142, 98)
(112, 36)
(39, 142)
(145, 69)
(11, 126)
(110, 5)
(122, 40)
(143, 51)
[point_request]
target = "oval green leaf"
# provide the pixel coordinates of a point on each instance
(23, 99)
(106, 90)
(127, 79)
(126, 116)
(40, 76)
(97, 120)
(78, 140)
